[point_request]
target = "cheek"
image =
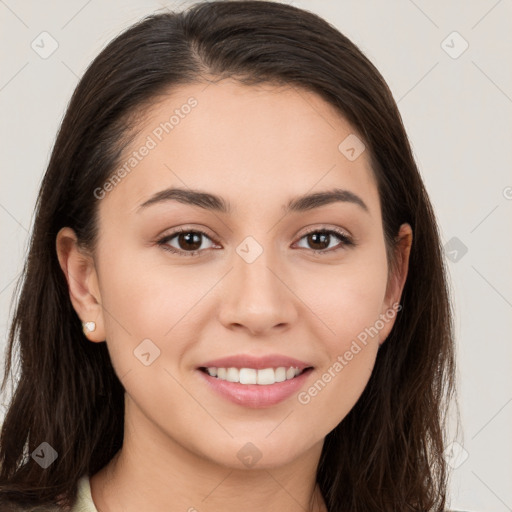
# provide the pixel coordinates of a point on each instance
(144, 299)
(133, 309)
(335, 388)
(347, 299)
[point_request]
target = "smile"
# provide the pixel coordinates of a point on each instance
(262, 386)
(263, 376)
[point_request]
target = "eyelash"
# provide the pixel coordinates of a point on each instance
(346, 241)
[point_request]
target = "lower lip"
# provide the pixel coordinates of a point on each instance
(255, 395)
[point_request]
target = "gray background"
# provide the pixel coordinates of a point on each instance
(456, 106)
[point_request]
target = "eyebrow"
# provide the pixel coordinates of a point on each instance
(216, 203)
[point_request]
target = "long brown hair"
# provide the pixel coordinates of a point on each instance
(387, 453)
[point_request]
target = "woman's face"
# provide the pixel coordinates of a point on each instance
(254, 293)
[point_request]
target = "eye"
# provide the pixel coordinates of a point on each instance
(189, 241)
(186, 239)
(321, 238)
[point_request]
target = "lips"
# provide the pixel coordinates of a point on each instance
(257, 363)
(255, 382)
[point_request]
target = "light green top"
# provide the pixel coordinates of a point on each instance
(84, 501)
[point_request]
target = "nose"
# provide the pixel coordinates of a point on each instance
(258, 297)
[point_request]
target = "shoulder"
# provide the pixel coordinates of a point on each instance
(84, 501)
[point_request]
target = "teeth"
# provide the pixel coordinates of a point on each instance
(266, 376)
(263, 377)
(280, 374)
(248, 376)
(233, 375)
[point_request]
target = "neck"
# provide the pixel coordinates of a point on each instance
(154, 472)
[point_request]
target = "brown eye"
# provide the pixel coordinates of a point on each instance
(320, 240)
(188, 242)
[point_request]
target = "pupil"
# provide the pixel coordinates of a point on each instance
(324, 240)
(189, 239)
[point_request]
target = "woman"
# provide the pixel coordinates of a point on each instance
(235, 295)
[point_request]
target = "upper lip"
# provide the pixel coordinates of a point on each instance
(258, 363)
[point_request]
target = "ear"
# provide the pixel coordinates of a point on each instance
(396, 280)
(80, 272)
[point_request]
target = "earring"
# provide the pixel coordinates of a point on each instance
(88, 327)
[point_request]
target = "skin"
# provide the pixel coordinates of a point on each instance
(257, 147)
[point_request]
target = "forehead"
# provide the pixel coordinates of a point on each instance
(246, 143)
